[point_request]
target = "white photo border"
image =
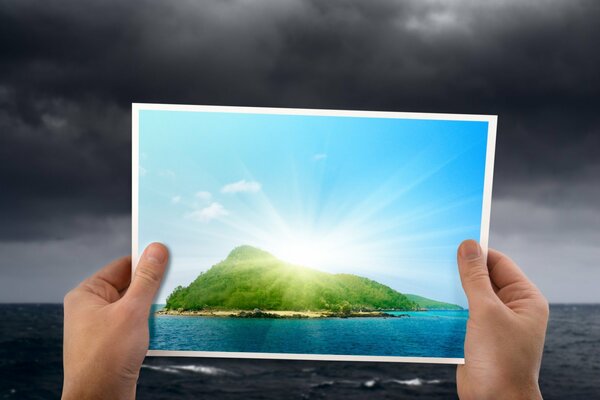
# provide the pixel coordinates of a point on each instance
(492, 121)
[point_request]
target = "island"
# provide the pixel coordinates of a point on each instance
(252, 283)
(432, 305)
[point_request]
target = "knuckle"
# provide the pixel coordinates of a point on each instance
(538, 301)
(544, 306)
(474, 271)
(69, 298)
(524, 289)
(95, 287)
(147, 275)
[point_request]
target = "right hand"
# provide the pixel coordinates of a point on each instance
(506, 329)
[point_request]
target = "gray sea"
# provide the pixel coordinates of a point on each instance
(31, 366)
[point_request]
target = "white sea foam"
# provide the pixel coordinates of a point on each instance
(197, 369)
(160, 368)
(370, 383)
(204, 370)
(416, 381)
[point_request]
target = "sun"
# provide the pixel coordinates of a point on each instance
(309, 253)
(311, 250)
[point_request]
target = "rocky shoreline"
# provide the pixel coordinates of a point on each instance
(258, 313)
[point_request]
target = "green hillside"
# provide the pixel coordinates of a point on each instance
(428, 304)
(252, 278)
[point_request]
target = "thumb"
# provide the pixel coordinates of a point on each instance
(148, 274)
(474, 274)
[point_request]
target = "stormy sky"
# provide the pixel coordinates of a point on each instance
(70, 70)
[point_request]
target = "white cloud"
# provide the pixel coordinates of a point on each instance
(319, 156)
(206, 214)
(204, 196)
(175, 199)
(242, 186)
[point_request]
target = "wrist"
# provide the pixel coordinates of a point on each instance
(74, 394)
(484, 387)
(97, 389)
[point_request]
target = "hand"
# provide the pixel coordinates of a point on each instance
(506, 328)
(106, 327)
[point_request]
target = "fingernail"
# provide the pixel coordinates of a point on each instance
(470, 249)
(155, 254)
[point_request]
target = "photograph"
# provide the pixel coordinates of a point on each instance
(310, 234)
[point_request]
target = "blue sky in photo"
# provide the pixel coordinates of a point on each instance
(388, 199)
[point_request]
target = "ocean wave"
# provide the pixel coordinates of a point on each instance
(377, 382)
(197, 369)
(205, 370)
(161, 368)
(416, 381)
(371, 383)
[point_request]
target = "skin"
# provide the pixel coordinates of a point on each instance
(507, 323)
(106, 328)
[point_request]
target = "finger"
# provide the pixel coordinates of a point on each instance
(148, 274)
(473, 271)
(515, 289)
(106, 283)
(504, 271)
(117, 273)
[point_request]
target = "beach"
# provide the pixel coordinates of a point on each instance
(278, 314)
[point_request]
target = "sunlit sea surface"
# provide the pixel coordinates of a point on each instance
(31, 366)
(415, 334)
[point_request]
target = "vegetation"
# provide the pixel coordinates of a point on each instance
(428, 304)
(251, 278)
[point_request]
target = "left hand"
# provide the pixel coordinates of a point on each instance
(106, 327)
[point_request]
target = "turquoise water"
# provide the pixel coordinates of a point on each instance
(423, 334)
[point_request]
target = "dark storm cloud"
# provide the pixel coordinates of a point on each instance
(71, 160)
(44, 270)
(535, 64)
(69, 71)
